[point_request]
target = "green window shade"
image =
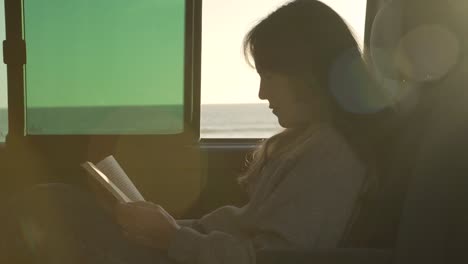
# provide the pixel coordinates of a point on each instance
(104, 67)
(3, 83)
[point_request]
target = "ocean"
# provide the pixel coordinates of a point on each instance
(238, 121)
(217, 120)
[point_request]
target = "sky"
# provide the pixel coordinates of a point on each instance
(226, 78)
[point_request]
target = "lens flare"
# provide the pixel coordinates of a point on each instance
(404, 48)
(427, 53)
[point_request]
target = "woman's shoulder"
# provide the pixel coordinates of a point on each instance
(327, 165)
(328, 150)
(328, 140)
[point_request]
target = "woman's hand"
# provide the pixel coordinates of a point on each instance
(146, 223)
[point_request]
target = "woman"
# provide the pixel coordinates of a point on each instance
(303, 182)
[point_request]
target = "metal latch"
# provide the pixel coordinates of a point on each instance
(14, 52)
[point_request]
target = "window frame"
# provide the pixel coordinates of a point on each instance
(15, 48)
(15, 57)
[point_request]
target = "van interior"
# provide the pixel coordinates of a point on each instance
(425, 194)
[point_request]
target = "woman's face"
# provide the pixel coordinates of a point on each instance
(279, 90)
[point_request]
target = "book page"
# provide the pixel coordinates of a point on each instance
(105, 182)
(111, 168)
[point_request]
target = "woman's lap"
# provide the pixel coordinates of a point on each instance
(58, 223)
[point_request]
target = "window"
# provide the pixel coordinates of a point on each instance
(104, 67)
(230, 105)
(3, 84)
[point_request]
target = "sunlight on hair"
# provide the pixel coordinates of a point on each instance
(427, 53)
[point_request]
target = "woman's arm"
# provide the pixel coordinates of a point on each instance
(149, 224)
(190, 246)
(308, 209)
(186, 222)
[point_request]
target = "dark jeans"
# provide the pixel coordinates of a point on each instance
(58, 223)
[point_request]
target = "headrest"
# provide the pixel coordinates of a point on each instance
(407, 45)
(412, 43)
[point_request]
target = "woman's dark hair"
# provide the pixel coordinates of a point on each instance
(302, 39)
(307, 40)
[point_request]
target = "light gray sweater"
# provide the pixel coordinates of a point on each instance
(303, 206)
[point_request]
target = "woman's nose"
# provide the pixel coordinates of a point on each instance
(261, 92)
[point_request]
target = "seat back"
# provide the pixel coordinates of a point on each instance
(434, 223)
(417, 137)
(378, 218)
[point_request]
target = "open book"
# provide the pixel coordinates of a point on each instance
(112, 177)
